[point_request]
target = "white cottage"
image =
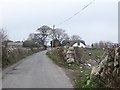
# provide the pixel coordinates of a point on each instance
(79, 45)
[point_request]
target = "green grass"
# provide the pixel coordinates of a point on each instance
(81, 75)
(76, 74)
(97, 52)
(58, 60)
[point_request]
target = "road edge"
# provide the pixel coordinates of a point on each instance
(11, 67)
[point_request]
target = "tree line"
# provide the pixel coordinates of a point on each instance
(102, 44)
(44, 34)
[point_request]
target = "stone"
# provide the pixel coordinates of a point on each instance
(70, 60)
(71, 48)
(111, 64)
(70, 55)
(89, 65)
(69, 64)
(108, 69)
(95, 70)
(116, 63)
(90, 54)
(80, 67)
(88, 82)
(102, 74)
(104, 61)
(70, 52)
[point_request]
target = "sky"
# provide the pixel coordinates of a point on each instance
(97, 22)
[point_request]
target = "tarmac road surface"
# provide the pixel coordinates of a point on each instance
(36, 71)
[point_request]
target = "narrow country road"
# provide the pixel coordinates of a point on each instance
(36, 71)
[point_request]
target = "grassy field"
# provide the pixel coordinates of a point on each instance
(96, 52)
(93, 54)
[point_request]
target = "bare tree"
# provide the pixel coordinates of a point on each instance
(3, 35)
(31, 36)
(59, 34)
(43, 33)
(103, 44)
(96, 45)
(75, 37)
(66, 37)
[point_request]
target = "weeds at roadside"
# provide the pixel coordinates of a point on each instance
(7, 61)
(80, 73)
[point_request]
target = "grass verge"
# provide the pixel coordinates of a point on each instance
(76, 73)
(79, 74)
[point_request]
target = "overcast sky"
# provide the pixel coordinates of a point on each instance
(97, 22)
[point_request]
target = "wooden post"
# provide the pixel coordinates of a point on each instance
(53, 34)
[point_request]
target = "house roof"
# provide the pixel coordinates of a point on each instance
(71, 43)
(80, 45)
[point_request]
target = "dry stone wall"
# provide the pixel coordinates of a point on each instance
(108, 69)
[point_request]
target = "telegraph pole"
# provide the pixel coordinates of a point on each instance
(53, 35)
